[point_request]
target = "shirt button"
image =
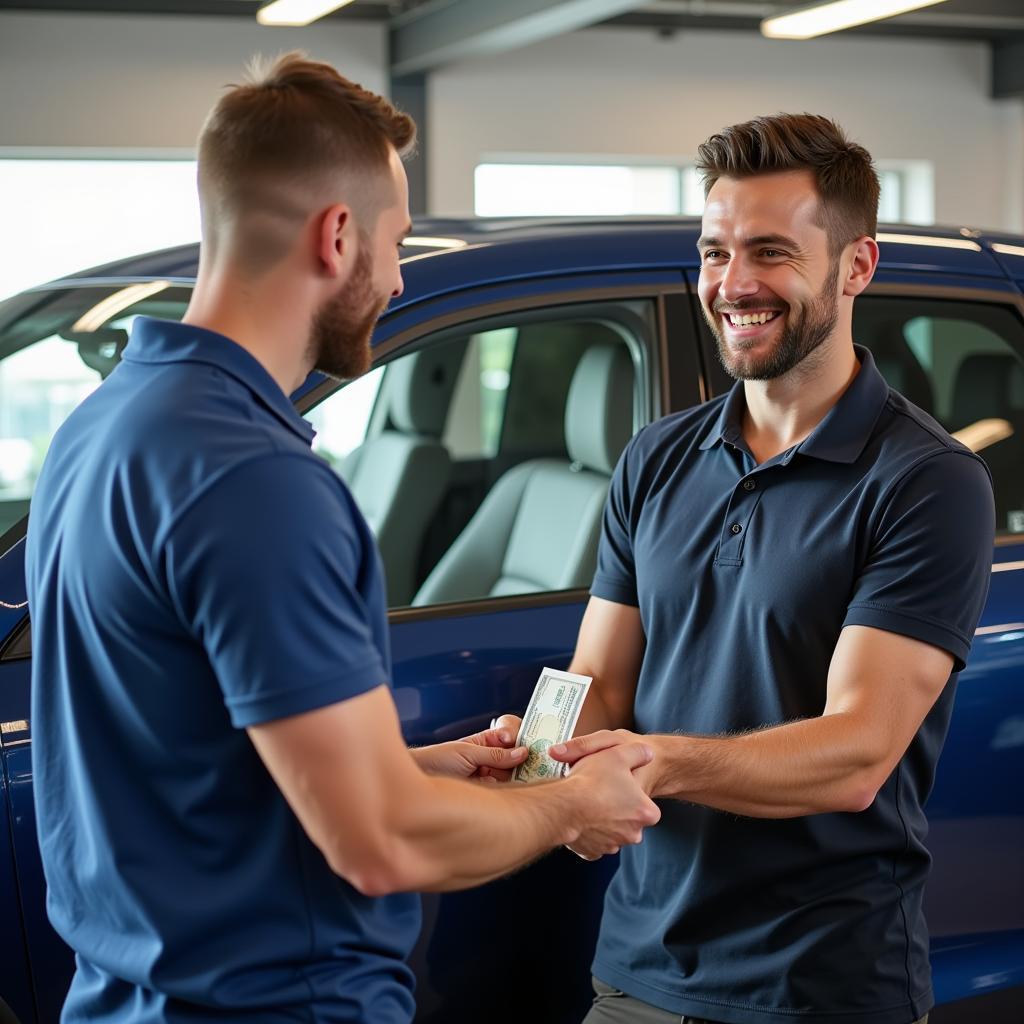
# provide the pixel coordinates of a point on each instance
(735, 528)
(748, 485)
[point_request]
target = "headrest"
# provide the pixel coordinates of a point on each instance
(987, 385)
(420, 388)
(599, 409)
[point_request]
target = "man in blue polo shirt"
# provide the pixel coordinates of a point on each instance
(229, 821)
(788, 583)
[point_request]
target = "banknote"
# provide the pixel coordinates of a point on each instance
(550, 718)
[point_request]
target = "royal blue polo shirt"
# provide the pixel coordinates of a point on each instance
(194, 569)
(745, 575)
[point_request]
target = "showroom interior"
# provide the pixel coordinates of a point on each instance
(602, 83)
(501, 469)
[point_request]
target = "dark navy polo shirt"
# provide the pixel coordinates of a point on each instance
(193, 569)
(745, 575)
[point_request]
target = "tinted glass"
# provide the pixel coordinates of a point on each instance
(962, 363)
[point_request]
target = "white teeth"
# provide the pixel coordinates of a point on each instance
(748, 319)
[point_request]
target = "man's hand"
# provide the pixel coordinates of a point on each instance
(502, 733)
(487, 755)
(618, 809)
(573, 751)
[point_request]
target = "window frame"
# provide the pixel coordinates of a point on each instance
(914, 182)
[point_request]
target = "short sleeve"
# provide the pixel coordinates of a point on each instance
(928, 573)
(615, 578)
(271, 570)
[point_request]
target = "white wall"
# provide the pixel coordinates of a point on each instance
(626, 92)
(109, 81)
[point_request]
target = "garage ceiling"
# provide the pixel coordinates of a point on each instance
(429, 33)
(971, 19)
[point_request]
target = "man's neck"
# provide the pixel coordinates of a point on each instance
(269, 320)
(782, 412)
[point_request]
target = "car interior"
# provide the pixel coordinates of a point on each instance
(953, 362)
(488, 450)
(466, 504)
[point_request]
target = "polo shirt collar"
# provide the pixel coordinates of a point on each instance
(165, 341)
(840, 437)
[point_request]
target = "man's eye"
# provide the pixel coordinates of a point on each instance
(713, 254)
(770, 253)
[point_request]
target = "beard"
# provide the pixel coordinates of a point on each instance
(342, 327)
(800, 337)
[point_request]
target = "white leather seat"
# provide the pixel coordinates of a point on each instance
(400, 476)
(538, 527)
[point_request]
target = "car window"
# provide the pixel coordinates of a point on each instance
(56, 346)
(341, 426)
(961, 363)
(488, 450)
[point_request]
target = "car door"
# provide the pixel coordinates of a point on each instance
(957, 350)
(477, 653)
(953, 344)
(456, 664)
(57, 343)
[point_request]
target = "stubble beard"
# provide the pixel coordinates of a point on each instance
(798, 340)
(343, 326)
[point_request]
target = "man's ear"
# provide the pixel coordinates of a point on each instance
(862, 266)
(337, 240)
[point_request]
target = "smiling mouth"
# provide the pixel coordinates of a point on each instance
(751, 319)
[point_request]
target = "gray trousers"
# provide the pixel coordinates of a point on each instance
(614, 1007)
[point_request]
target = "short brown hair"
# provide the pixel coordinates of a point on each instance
(294, 130)
(843, 172)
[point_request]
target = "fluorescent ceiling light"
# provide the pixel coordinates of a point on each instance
(820, 18)
(1008, 250)
(116, 303)
(297, 12)
(942, 243)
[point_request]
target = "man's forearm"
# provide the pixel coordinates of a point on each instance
(599, 712)
(458, 834)
(806, 767)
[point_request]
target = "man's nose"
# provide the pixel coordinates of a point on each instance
(738, 281)
(399, 288)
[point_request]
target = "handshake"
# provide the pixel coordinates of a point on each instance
(609, 773)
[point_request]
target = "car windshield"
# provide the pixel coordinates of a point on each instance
(56, 345)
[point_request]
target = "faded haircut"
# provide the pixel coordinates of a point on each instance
(294, 135)
(843, 172)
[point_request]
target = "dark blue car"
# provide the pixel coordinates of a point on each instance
(470, 450)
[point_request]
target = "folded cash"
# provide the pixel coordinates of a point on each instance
(550, 718)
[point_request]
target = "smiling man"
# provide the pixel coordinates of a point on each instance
(788, 583)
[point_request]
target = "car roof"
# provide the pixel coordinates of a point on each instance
(443, 254)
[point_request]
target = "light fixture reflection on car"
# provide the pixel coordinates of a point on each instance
(983, 433)
(944, 243)
(1008, 250)
(297, 12)
(821, 18)
(114, 304)
(430, 242)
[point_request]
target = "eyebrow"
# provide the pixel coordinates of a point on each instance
(786, 242)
